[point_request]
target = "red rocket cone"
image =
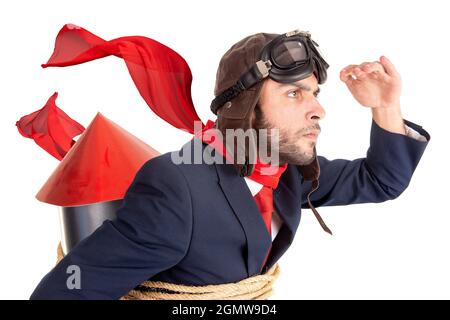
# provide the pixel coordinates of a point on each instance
(100, 166)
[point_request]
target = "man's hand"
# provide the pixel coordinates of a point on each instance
(373, 84)
(377, 85)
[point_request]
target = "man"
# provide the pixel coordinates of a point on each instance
(210, 224)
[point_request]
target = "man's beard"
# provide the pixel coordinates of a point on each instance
(288, 149)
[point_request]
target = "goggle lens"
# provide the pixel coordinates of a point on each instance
(289, 53)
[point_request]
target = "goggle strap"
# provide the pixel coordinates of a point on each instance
(255, 74)
(227, 95)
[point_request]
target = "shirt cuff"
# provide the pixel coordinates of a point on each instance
(410, 132)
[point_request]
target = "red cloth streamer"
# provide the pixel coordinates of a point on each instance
(161, 75)
(51, 128)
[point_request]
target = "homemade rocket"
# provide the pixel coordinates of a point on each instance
(90, 182)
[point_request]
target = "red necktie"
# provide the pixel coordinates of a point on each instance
(264, 201)
(264, 198)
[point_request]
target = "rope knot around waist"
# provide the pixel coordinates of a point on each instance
(257, 287)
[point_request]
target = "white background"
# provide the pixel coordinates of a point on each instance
(394, 250)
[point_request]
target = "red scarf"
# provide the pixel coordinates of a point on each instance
(265, 174)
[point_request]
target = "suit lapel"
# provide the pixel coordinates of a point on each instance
(287, 202)
(241, 200)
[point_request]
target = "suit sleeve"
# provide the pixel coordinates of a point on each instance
(151, 233)
(383, 175)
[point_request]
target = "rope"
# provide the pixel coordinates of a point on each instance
(258, 287)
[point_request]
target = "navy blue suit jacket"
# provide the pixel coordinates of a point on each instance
(198, 224)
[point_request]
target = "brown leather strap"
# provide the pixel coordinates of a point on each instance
(314, 187)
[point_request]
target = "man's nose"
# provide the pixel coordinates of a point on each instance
(316, 111)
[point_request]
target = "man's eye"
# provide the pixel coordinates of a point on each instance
(292, 94)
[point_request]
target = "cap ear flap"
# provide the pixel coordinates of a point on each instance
(241, 120)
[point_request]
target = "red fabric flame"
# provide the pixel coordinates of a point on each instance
(51, 128)
(162, 76)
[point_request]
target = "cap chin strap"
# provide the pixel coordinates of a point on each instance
(259, 71)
